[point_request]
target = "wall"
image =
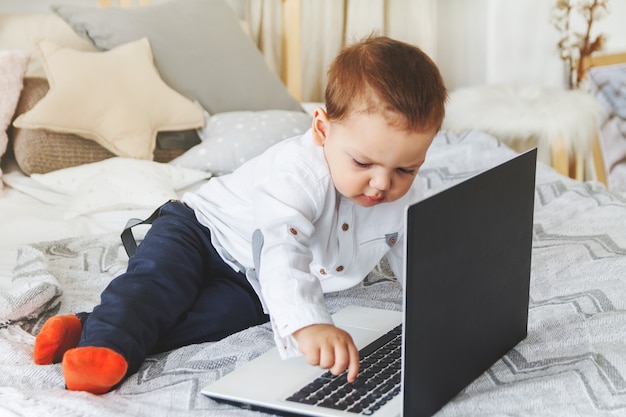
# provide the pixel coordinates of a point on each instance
(509, 41)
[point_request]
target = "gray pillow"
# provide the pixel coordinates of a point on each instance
(229, 139)
(199, 48)
(182, 139)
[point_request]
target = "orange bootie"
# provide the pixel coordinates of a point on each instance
(93, 369)
(57, 335)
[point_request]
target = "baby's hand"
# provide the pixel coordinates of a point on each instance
(329, 347)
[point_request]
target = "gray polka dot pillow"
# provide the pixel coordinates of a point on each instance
(231, 138)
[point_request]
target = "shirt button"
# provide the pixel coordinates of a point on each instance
(392, 240)
(339, 268)
(293, 231)
(345, 227)
(323, 271)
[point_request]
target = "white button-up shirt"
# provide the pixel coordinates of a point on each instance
(279, 220)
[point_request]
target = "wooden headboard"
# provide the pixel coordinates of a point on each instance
(604, 60)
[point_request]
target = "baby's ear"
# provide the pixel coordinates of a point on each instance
(320, 126)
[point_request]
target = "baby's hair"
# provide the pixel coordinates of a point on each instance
(378, 75)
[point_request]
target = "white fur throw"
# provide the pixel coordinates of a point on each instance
(527, 116)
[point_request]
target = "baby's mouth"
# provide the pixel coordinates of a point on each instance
(373, 199)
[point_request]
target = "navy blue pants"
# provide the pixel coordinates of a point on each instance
(176, 291)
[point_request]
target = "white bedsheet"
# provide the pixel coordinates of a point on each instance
(30, 213)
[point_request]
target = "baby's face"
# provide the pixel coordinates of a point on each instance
(371, 161)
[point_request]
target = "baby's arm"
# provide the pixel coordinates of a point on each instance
(329, 347)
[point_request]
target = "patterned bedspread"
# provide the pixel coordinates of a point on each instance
(573, 362)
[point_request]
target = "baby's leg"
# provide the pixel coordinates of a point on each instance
(160, 284)
(225, 305)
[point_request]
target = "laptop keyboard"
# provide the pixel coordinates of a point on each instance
(378, 381)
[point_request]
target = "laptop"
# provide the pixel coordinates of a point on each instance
(466, 293)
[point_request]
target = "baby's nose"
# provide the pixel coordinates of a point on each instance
(381, 181)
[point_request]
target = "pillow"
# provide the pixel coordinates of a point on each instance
(183, 139)
(199, 48)
(231, 138)
(39, 151)
(115, 98)
(12, 68)
(608, 85)
(118, 183)
(24, 30)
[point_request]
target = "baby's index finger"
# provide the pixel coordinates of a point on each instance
(353, 366)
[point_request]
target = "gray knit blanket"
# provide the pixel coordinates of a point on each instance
(573, 362)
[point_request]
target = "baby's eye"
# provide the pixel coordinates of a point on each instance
(407, 171)
(361, 164)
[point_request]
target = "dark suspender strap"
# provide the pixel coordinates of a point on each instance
(128, 239)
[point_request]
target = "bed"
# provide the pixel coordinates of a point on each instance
(61, 217)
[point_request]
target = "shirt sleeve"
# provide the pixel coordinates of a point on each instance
(286, 205)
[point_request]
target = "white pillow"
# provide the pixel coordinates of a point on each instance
(118, 183)
(231, 138)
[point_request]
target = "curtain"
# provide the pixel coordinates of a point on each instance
(265, 26)
(474, 42)
(329, 25)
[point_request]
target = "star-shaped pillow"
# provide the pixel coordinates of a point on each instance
(116, 98)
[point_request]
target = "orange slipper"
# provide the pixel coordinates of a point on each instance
(93, 369)
(57, 335)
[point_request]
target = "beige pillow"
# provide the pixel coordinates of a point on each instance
(116, 98)
(24, 30)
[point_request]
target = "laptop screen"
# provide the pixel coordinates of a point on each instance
(466, 281)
